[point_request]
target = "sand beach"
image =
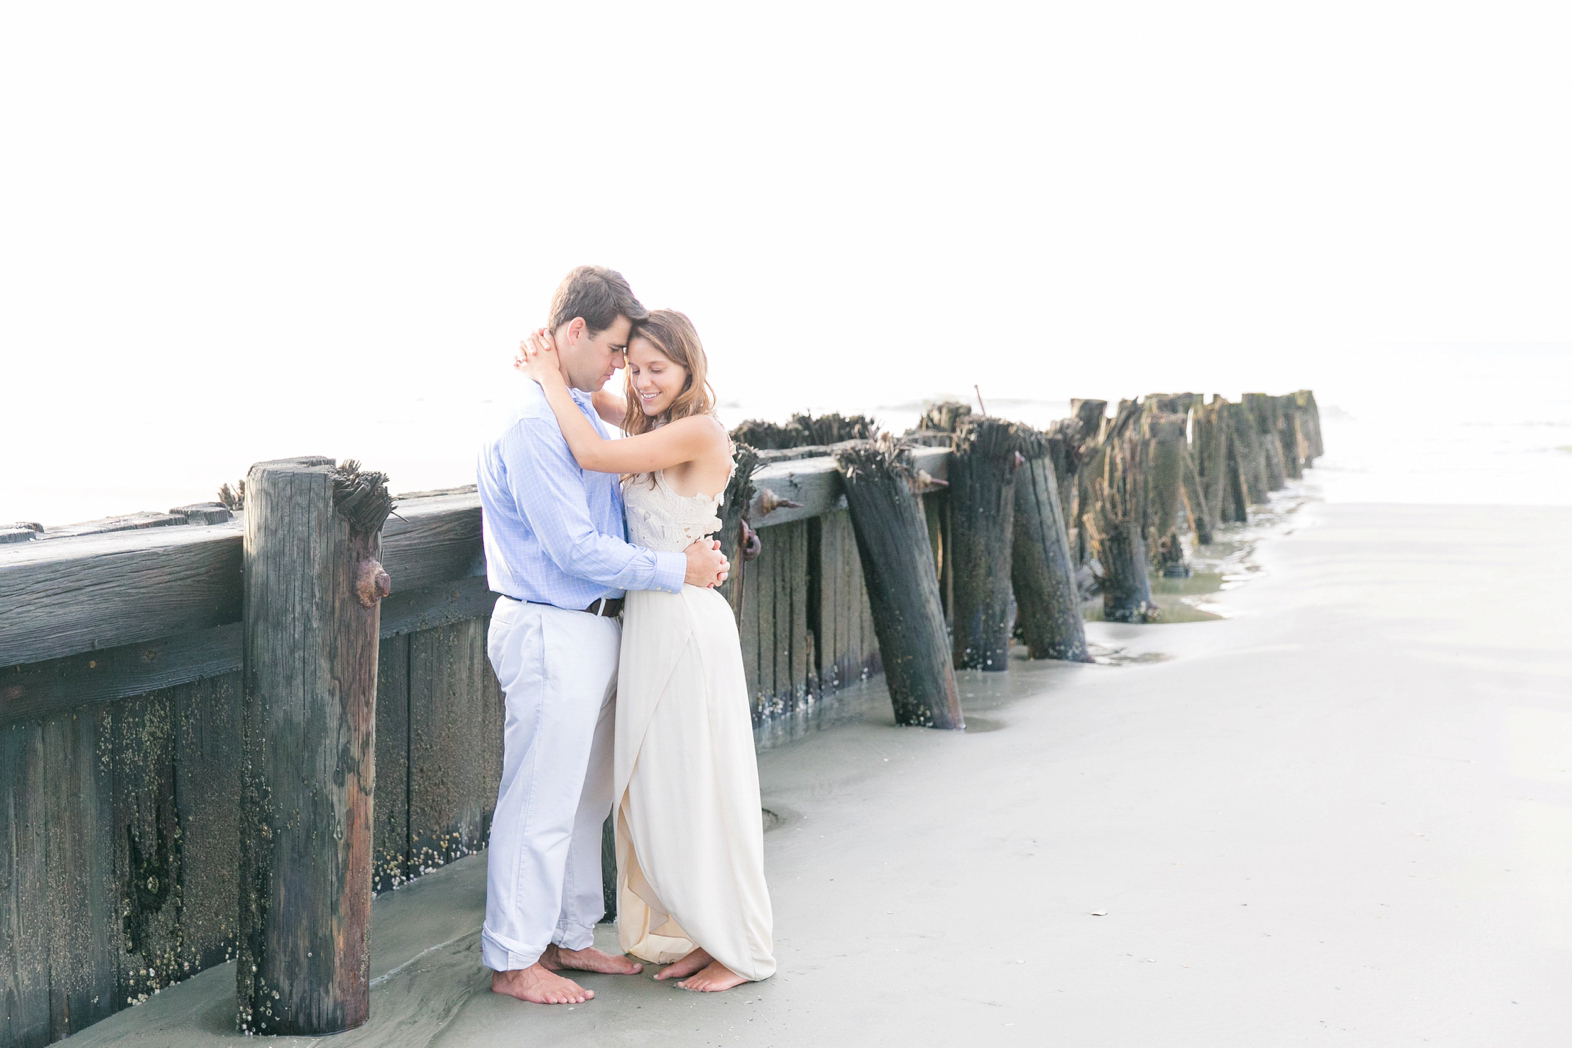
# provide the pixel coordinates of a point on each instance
(1340, 814)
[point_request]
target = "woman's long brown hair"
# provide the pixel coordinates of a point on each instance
(673, 334)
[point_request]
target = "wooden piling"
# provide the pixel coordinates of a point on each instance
(1209, 438)
(1262, 410)
(733, 510)
(1042, 572)
(1083, 433)
(1115, 521)
(982, 515)
(1307, 420)
(312, 592)
(1283, 411)
(1249, 453)
(1164, 432)
(1201, 514)
(903, 588)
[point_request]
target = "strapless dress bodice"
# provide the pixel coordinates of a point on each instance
(661, 519)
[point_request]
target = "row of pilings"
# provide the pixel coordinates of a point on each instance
(1033, 520)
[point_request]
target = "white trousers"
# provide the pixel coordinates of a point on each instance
(558, 671)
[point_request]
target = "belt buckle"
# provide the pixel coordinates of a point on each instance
(597, 606)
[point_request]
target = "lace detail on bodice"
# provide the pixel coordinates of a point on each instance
(661, 519)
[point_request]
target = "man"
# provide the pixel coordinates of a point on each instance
(555, 550)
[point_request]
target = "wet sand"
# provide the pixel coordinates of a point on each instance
(1341, 814)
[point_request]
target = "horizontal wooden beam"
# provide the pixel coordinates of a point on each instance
(67, 596)
(136, 669)
(816, 483)
(62, 596)
(433, 540)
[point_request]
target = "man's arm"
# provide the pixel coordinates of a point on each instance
(547, 488)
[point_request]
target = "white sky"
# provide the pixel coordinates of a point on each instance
(254, 214)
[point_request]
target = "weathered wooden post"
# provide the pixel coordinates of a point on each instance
(1042, 572)
(312, 592)
(1283, 415)
(1201, 511)
(1307, 420)
(1210, 438)
(1083, 433)
(903, 588)
(1065, 438)
(982, 528)
(1116, 520)
(739, 495)
(1262, 409)
(1164, 433)
(1246, 443)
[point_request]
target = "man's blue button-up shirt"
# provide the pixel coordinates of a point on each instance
(553, 532)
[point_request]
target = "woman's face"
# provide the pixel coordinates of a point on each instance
(656, 378)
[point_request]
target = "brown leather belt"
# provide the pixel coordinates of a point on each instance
(610, 607)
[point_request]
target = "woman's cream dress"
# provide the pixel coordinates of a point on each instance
(690, 835)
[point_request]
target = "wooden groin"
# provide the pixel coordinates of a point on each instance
(123, 704)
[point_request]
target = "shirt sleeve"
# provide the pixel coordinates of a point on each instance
(545, 483)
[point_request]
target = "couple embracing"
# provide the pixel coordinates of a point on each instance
(619, 662)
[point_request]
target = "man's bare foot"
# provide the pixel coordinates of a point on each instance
(685, 967)
(539, 986)
(588, 960)
(713, 977)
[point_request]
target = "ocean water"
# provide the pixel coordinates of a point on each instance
(1481, 426)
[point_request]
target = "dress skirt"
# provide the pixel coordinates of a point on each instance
(689, 829)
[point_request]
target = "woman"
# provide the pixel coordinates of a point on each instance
(690, 839)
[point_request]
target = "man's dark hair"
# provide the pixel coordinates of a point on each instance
(597, 294)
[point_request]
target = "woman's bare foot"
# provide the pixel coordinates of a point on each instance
(713, 977)
(588, 960)
(539, 986)
(685, 967)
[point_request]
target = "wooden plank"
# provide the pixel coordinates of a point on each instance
(761, 586)
(452, 781)
(748, 635)
(814, 593)
(64, 596)
(763, 596)
(117, 673)
(80, 905)
(780, 550)
(432, 541)
(816, 484)
(207, 749)
(831, 579)
(148, 850)
(409, 611)
(40, 688)
(24, 888)
(390, 808)
(801, 641)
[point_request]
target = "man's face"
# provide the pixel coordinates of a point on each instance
(587, 363)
